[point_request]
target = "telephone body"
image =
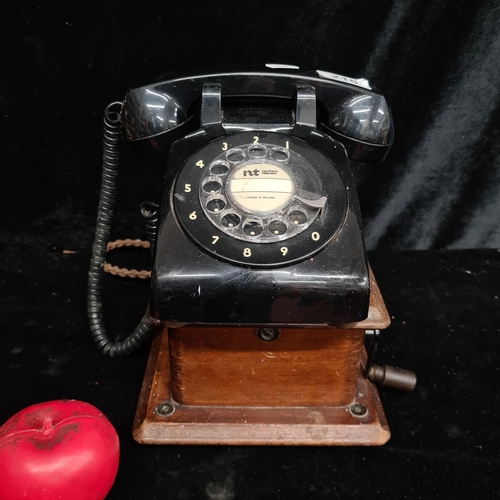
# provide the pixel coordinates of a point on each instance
(260, 222)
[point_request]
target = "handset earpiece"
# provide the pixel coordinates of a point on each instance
(153, 120)
(363, 124)
(365, 118)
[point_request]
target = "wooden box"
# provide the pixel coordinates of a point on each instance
(219, 385)
(234, 367)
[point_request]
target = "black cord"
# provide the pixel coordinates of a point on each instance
(110, 167)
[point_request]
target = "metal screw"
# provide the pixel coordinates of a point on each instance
(165, 409)
(268, 334)
(358, 410)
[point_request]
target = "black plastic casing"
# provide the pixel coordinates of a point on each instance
(190, 286)
(156, 115)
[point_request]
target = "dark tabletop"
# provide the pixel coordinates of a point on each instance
(445, 308)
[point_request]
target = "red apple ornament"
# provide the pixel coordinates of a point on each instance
(59, 450)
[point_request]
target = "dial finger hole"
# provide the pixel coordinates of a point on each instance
(277, 227)
(257, 151)
(216, 204)
(298, 216)
(212, 185)
(219, 167)
(280, 154)
(231, 220)
(253, 228)
(235, 155)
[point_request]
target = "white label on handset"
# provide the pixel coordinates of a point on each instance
(281, 66)
(359, 82)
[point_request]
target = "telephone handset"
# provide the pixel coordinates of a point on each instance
(260, 221)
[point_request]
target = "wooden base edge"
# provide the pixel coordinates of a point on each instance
(229, 425)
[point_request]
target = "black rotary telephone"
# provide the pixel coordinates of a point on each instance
(260, 222)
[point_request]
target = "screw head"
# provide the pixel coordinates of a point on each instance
(358, 410)
(165, 409)
(268, 334)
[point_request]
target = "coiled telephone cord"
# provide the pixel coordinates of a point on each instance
(111, 160)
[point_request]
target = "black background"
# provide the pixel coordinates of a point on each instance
(438, 65)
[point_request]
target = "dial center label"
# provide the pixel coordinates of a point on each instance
(261, 187)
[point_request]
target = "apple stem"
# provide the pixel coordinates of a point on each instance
(47, 425)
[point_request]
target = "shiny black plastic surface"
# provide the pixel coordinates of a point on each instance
(157, 114)
(191, 286)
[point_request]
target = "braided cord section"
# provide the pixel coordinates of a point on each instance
(123, 272)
